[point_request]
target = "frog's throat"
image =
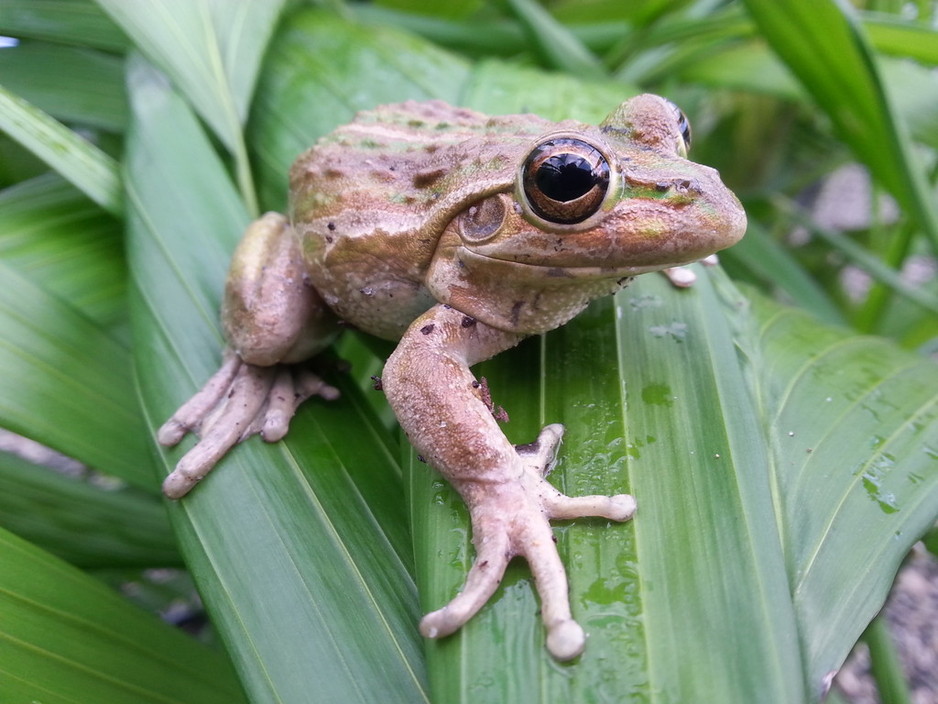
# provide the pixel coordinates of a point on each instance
(530, 299)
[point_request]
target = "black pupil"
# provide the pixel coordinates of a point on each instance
(566, 177)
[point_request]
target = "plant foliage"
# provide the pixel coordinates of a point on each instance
(777, 424)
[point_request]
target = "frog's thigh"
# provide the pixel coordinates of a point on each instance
(271, 312)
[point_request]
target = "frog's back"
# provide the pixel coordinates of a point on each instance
(370, 200)
(403, 158)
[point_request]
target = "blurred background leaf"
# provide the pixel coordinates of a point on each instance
(67, 637)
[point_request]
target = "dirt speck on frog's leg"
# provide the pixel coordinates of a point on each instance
(485, 395)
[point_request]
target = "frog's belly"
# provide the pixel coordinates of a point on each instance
(369, 275)
(383, 307)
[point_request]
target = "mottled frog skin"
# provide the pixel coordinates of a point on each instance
(457, 234)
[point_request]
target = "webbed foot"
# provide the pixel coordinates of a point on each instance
(513, 518)
(239, 400)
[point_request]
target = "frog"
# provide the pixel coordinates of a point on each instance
(456, 235)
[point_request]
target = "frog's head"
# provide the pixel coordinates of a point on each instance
(622, 195)
(593, 205)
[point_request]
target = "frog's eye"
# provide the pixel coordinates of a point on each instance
(565, 180)
(683, 126)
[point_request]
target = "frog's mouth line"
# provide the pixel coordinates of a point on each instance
(474, 261)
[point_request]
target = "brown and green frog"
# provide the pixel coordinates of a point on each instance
(457, 235)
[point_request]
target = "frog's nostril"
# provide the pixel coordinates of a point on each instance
(679, 185)
(687, 186)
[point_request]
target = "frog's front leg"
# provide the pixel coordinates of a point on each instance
(440, 406)
(274, 320)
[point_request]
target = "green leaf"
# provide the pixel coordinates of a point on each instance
(885, 665)
(852, 421)
(456, 8)
(78, 22)
(892, 35)
(65, 638)
(561, 49)
(212, 50)
(65, 244)
(92, 96)
(300, 558)
(825, 47)
(640, 12)
(86, 525)
(67, 382)
(86, 166)
(483, 36)
(748, 66)
(760, 257)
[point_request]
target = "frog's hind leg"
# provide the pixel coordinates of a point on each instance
(274, 320)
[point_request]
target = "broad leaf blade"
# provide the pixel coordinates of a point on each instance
(298, 554)
(716, 605)
(900, 37)
(65, 637)
(212, 50)
(853, 422)
(560, 47)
